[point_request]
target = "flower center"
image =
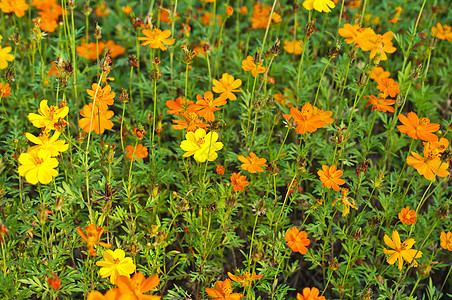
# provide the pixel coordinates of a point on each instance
(423, 122)
(227, 291)
(201, 141)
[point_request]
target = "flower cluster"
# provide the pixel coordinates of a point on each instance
(96, 115)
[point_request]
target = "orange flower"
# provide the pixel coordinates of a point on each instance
(379, 43)
(431, 163)
(165, 16)
(243, 10)
(100, 119)
(127, 10)
(116, 49)
(5, 90)
(226, 86)
(18, 7)
(104, 96)
(140, 152)
(330, 177)
(261, 14)
(446, 240)
(442, 32)
(54, 281)
(220, 170)
(239, 182)
(190, 121)
(397, 15)
(157, 38)
(252, 163)
(207, 105)
(354, 34)
(418, 128)
(310, 294)
(109, 295)
(407, 216)
(379, 73)
(354, 4)
(206, 18)
(137, 286)
(229, 11)
(102, 10)
(246, 279)
(294, 46)
(91, 50)
(297, 241)
(92, 237)
(381, 103)
(310, 118)
(286, 99)
(223, 291)
(388, 86)
(249, 65)
(178, 106)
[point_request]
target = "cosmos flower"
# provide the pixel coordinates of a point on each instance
(115, 263)
(401, 251)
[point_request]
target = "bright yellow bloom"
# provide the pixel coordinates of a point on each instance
(115, 263)
(402, 251)
(226, 86)
(249, 65)
(38, 166)
(157, 38)
(319, 5)
(294, 46)
(203, 146)
(5, 57)
(48, 116)
(52, 144)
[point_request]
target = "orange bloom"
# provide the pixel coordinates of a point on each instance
(223, 291)
(109, 295)
(226, 86)
(243, 10)
(431, 163)
(310, 294)
(397, 15)
(100, 119)
(239, 182)
(104, 97)
(354, 34)
(178, 106)
(90, 51)
(157, 39)
(206, 18)
(165, 16)
(293, 47)
(286, 99)
(379, 73)
(446, 240)
(261, 14)
(388, 86)
(297, 241)
(220, 170)
(310, 118)
(190, 121)
(407, 216)
(116, 49)
(137, 286)
(252, 163)
(418, 128)
(442, 32)
(5, 90)
(54, 281)
(379, 43)
(102, 10)
(330, 177)
(207, 105)
(347, 201)
(53, 70)
(354, 4)
(92, 237)
(140, 152)
(246, 279)
(249, 65)
(381, 103)
(18, 7)
(229, 11)
(127, 10)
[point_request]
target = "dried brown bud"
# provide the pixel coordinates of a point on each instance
(309, 28)
(124, 97)
(133, 60)
(273, 168)
(98, 32)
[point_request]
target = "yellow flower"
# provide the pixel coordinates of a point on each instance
(347, 201)
(38, 166)
(402, 251)
(442, 32)
(53, 144)
(157, 38)
(203, 146)
(48, 116)
(319, 5)
(294, 46)
(226, 86)
(115, 264)
(446, 240)
(5, 56)
(379, 43)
